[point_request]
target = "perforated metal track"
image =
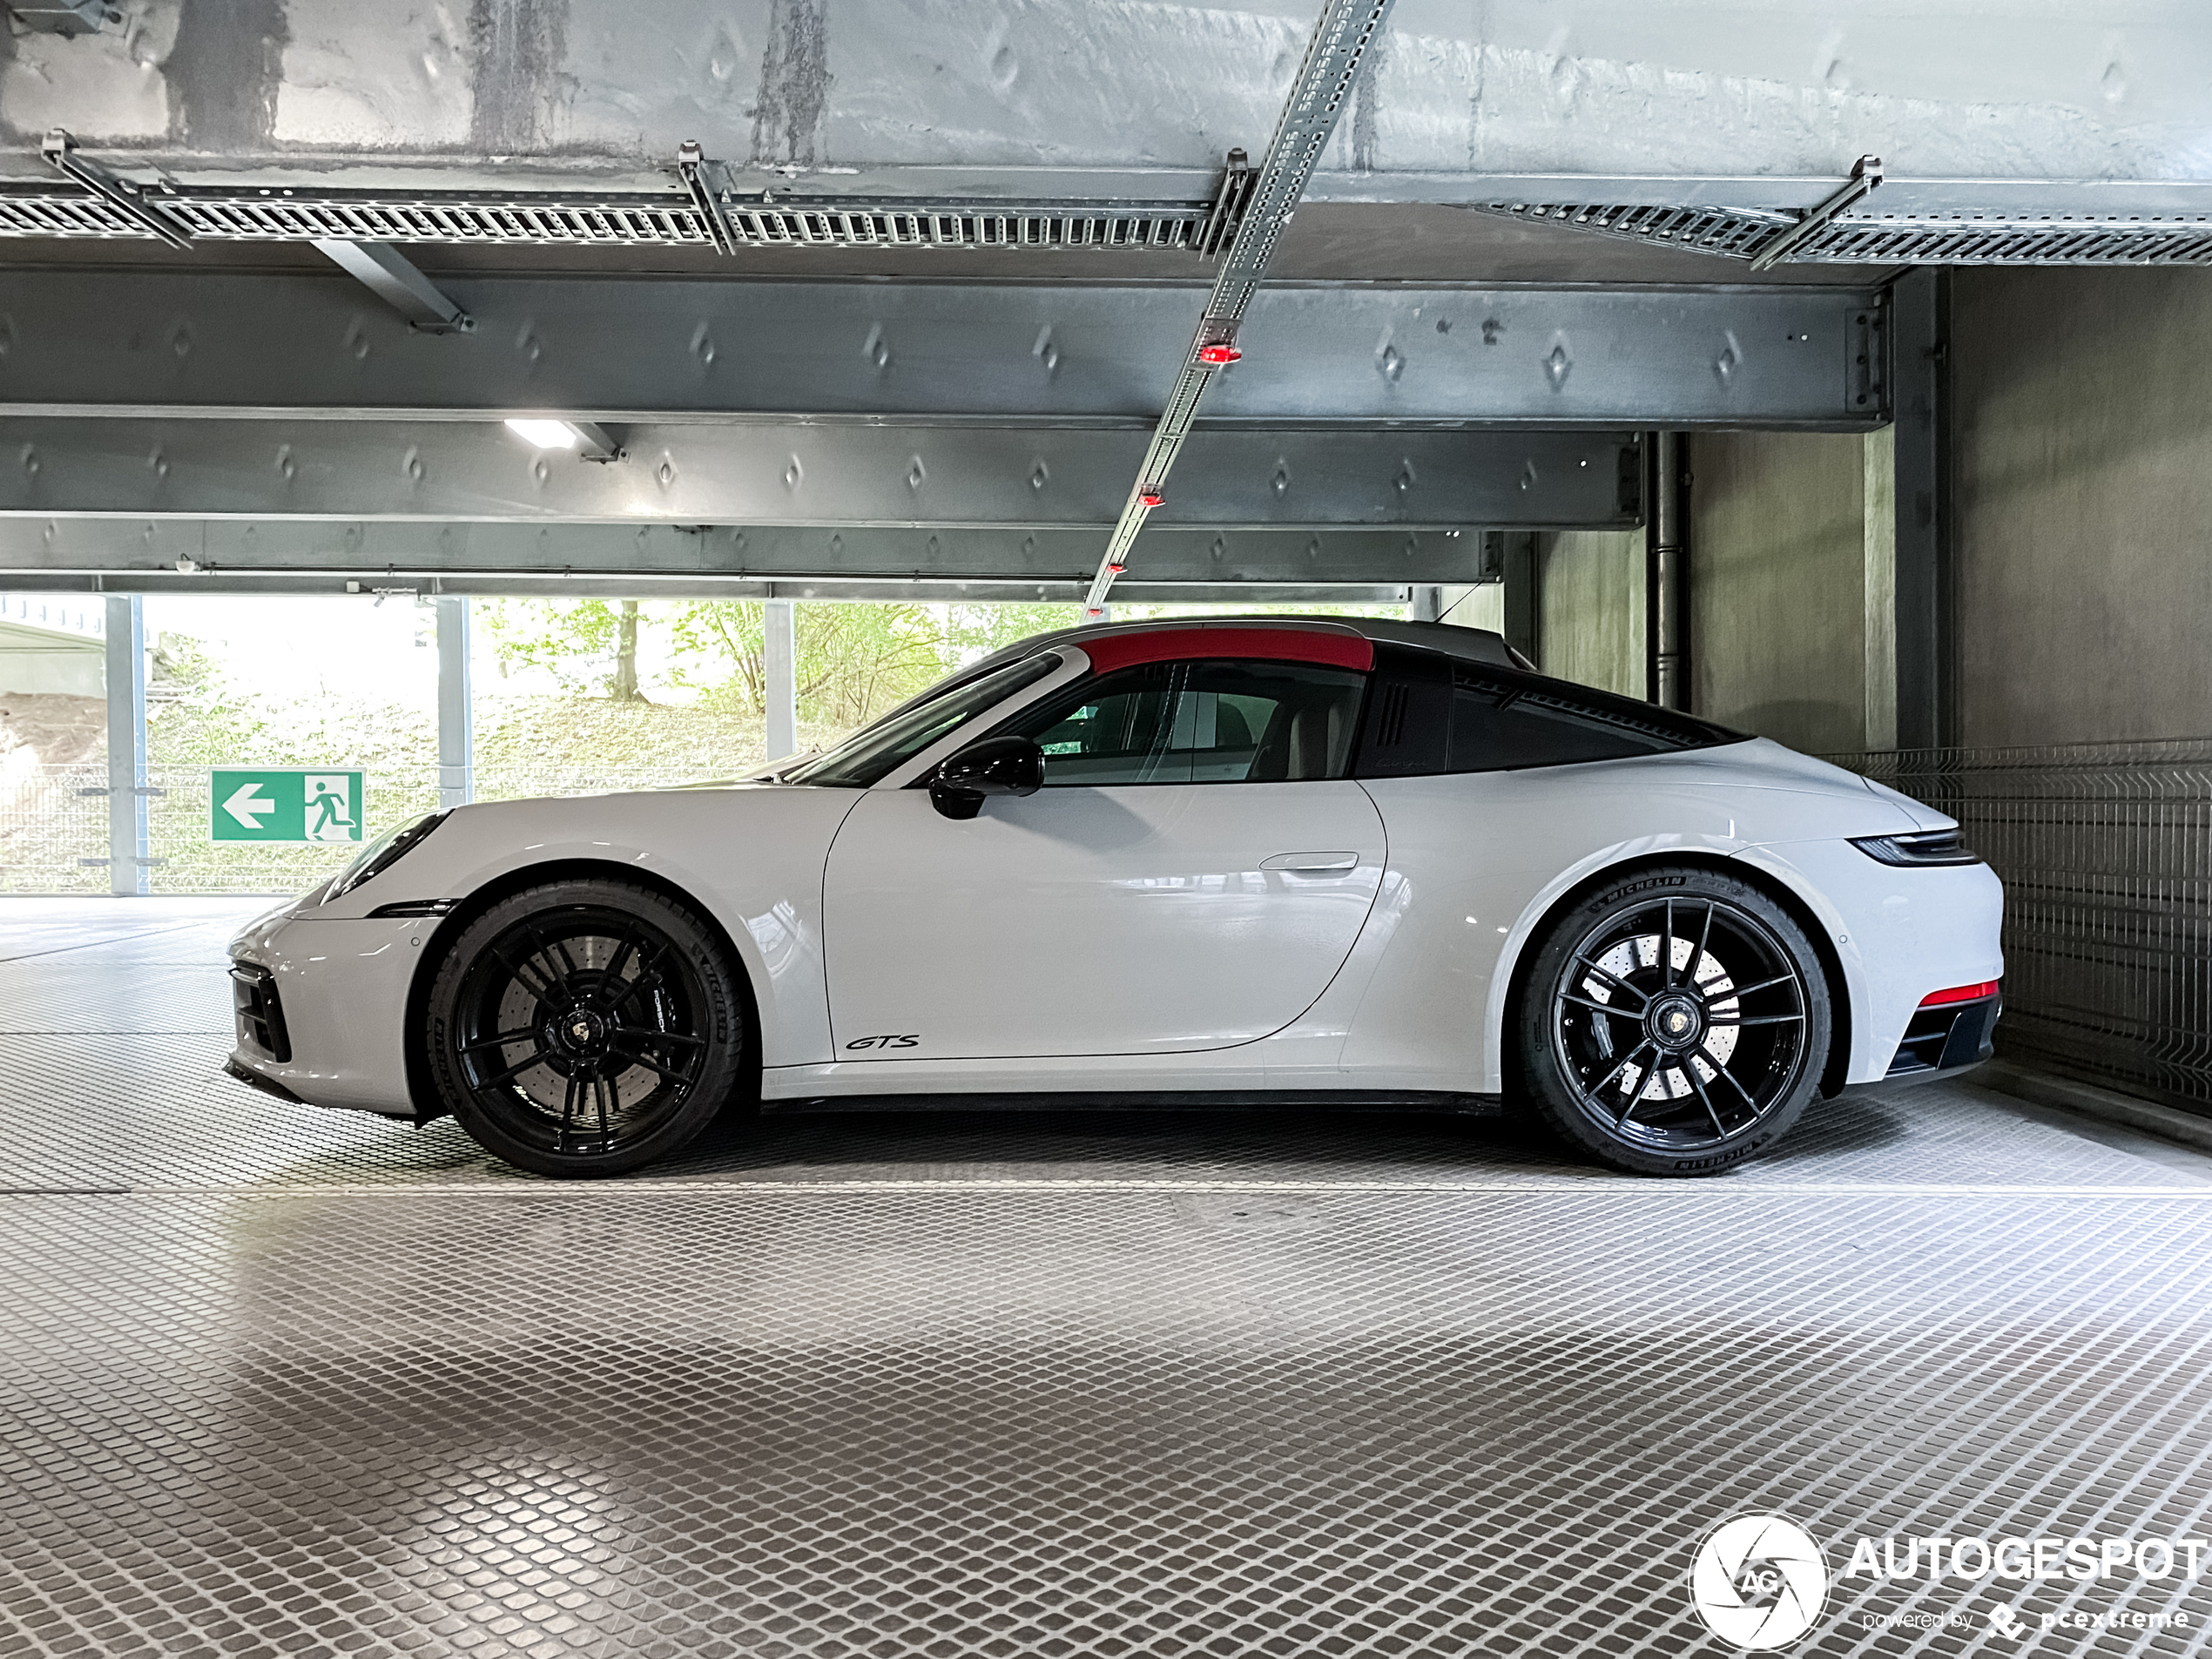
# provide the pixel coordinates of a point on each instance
(1869, 238)
(548, 220)
(298, 1382)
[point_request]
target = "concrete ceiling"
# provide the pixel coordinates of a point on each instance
(846, 90)
(1465, 111)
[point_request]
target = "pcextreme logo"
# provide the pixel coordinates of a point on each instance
(1759, 1581)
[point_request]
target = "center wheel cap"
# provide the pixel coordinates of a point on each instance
(1676, 1022)
(580, 1031)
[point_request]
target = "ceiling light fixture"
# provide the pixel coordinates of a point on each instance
(588, 440)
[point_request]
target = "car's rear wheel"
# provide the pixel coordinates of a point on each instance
(586, 1026)
(1675, 1022)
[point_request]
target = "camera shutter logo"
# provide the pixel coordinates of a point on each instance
(1759, 1581)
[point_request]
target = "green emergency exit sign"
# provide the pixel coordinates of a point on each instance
(305, 804)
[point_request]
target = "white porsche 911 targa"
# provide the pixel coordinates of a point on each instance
(1257, 861)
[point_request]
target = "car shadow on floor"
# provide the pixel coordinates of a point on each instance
(1048, 1144)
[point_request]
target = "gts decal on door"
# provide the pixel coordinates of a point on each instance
(913, 1039)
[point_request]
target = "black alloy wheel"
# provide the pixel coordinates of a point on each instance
(1675, 1023)
(585, 1027)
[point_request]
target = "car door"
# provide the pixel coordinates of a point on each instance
(1193, 872)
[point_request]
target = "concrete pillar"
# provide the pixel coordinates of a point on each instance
(1926, 635)
(128, 866)
(456, 723)
(1424, 603)
(1522, 561)
(1878, 543)
(780, 662)
(1666, 582)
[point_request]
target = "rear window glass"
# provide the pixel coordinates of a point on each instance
(1501, 723)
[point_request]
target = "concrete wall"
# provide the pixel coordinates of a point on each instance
(2082, 446)
(2081, 438)
(1783, 555)
(1480, 606)
(1589, 598)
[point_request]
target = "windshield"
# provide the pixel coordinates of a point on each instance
(874, 751)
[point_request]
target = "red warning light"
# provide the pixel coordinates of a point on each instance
(1150, 498)
(1115, 570)
(1218, 356)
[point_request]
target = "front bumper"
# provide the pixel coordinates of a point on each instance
(321, 1008)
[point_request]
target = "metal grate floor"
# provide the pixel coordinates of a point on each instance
(296, 1382)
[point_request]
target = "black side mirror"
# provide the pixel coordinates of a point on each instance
(994, 766)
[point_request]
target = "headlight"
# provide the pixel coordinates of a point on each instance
(381, 855)
(1929, 847)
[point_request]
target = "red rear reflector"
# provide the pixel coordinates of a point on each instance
(1219, 355)
(1150, 498)
(1336, 647)
(1961, 994)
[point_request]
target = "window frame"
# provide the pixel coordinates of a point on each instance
(1363, 691)
(926, 760)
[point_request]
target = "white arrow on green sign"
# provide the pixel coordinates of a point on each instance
(302, 804)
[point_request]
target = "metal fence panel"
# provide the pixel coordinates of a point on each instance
(2105, 854)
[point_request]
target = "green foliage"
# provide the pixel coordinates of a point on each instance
(587, 645)
(854, 661)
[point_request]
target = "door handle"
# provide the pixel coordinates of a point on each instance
(1312, 863)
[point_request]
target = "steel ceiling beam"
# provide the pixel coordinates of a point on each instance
(1318, 94)
(430, 584)
(809, 474)
(206, 555)
(616, 350)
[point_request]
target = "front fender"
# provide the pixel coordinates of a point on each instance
(752, 857)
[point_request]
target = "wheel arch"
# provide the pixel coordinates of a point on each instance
(421, 1089)
(1835, 1065)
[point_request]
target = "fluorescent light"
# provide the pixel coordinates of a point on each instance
(547, 435)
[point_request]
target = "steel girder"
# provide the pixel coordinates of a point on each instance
(428, 584)
(616, 350)
(811, 474)
(212, 555)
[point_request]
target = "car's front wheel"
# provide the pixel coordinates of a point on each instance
(585, 1027)
(1674, 1022)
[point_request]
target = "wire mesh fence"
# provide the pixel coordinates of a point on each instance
(2105, 854)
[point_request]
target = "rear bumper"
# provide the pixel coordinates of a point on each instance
(1948, 1037)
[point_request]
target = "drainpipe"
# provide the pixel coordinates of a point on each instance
(1666, 585)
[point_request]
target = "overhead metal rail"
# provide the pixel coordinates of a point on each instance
(617, 350)
(810, 473)
(634, 585)
(1840, 230)
(1325, 80)
(212, 555)
(110, 204)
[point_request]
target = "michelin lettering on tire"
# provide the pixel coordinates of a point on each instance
(1759, 1583)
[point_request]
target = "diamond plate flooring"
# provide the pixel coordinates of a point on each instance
(277, 1380)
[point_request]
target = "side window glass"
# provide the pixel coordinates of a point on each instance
(1119, 732)
(1497, 725)
(1254, 722)
(1199, 722)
